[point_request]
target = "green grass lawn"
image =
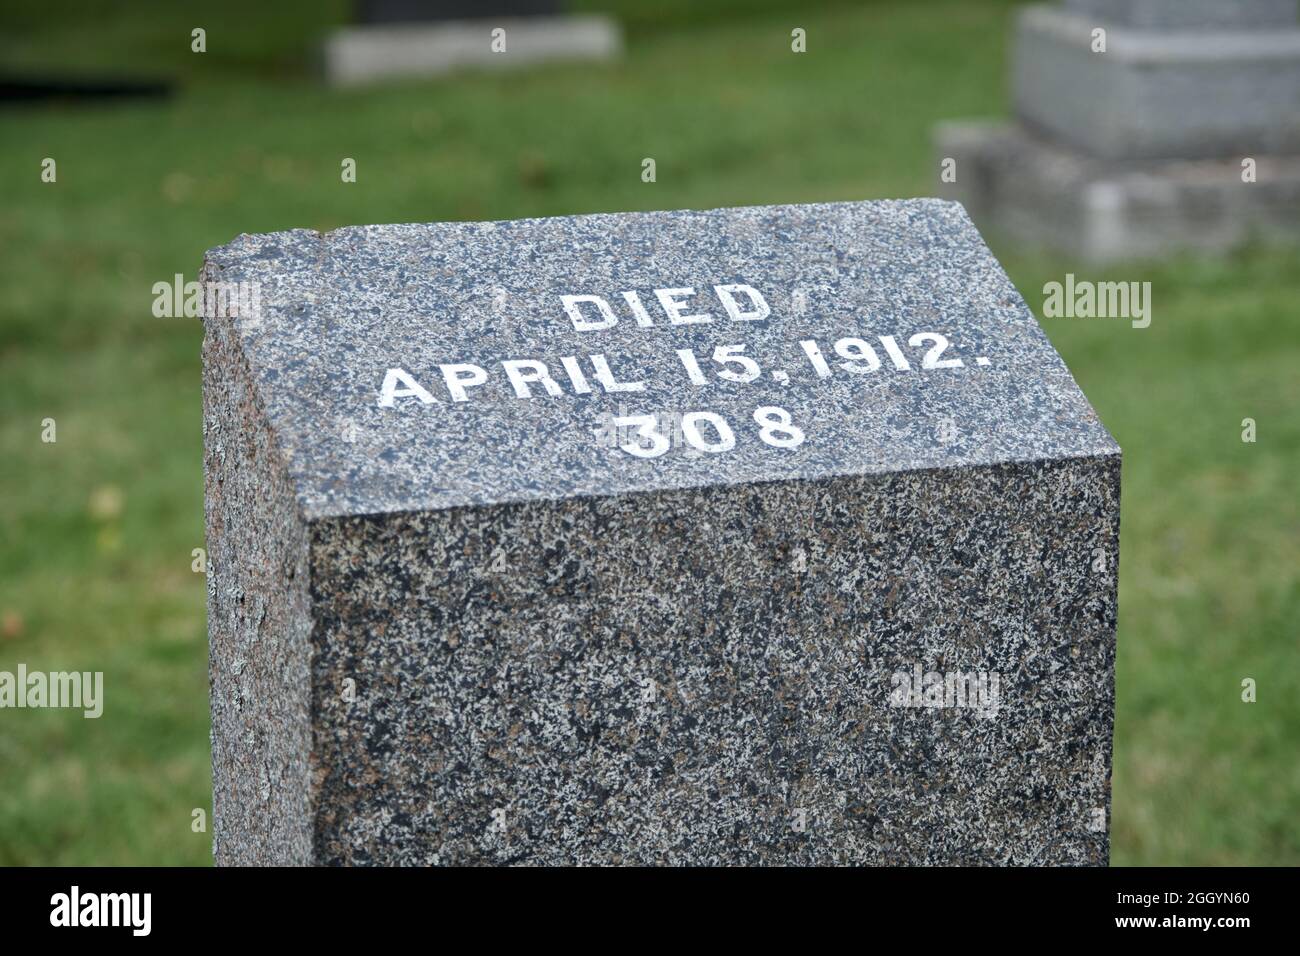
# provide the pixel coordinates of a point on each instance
(96, 529)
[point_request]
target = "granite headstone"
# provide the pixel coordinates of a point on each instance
(761, 535)
(1143, 127)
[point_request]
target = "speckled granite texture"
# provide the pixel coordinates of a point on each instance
(480, 631)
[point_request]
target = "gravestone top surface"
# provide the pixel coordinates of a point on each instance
(1192, 14)
(420, 367)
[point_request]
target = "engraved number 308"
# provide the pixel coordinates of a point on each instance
(776, 428)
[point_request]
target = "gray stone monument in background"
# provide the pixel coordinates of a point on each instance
(1143, 127)
(763, 535)
(396, 39)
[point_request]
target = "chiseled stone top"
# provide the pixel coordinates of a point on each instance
(418, 367)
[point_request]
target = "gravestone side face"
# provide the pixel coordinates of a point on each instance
(648, 538)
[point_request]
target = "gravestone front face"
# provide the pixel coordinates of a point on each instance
(775, 534)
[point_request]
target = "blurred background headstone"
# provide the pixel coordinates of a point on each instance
(1142, 127)
(415, 38)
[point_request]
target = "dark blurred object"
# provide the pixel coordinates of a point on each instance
(19, 90)
(417, 11)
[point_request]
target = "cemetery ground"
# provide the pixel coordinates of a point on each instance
(97, 529)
